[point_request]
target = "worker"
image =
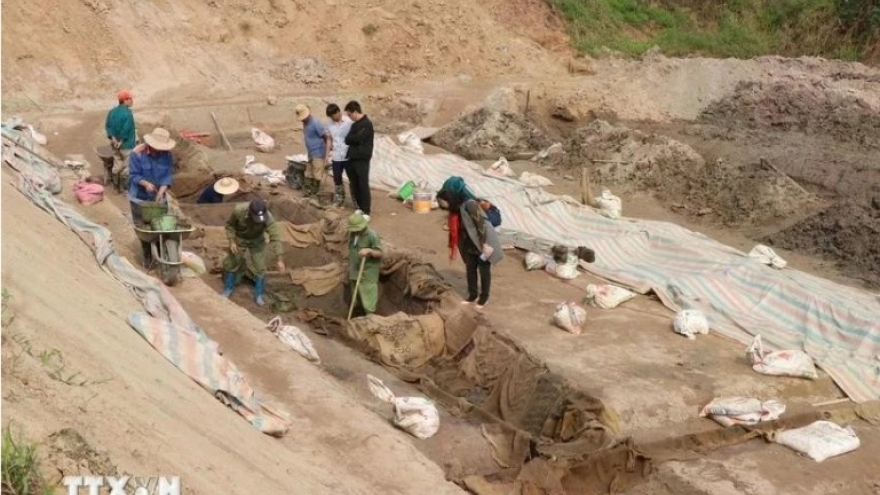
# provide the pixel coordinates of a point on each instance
(120, 130)
(219, 190)
(246, 231)
(364, 246)
(317, 141)
(151, 170)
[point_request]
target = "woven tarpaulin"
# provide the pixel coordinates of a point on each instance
(837, 325)
(163, 323)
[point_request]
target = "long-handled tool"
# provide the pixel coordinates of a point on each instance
(357, 284)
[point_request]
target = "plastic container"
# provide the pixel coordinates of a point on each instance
(406, 191)
(421, 202)
(165, 223)
(151, 210)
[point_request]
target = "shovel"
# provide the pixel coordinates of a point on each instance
(357, 284)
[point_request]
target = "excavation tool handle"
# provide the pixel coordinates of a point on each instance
(357, 284)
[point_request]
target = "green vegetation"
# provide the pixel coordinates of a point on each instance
(848, 29)
(20, 468)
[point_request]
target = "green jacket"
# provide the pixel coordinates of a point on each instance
(366, 239)
(247, 233)
(120, 124)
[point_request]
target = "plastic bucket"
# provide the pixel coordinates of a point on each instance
(165, 223)
(406, 190)
(421, 202)
(151, 210)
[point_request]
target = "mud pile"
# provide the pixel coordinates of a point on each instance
(846, 232)
(809, 106)
(497, 128)
(627, 161)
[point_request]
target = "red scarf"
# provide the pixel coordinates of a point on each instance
(454, 222)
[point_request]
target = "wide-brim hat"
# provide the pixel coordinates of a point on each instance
(357, 222)
(302, 112)
(226, 185)
(160, 140)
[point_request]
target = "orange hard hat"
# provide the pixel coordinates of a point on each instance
(124, 95)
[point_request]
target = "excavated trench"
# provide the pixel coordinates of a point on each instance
(546, 435)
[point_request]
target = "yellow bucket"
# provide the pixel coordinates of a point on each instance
(421, 202)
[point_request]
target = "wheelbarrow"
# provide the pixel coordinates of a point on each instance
(166, 235)
(108, 156)
(295, 173)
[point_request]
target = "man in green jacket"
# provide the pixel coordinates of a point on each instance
(246, 231)
(120, 130)
(364, 245)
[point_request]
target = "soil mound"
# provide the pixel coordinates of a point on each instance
(846, 232)
(627, 160)
(810, 106)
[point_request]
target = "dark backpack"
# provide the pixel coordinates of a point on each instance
(492, 213)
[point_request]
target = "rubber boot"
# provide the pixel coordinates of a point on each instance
(259, 289)
(339, 195)
(228, 284)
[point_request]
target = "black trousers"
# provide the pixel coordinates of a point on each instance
(358, 172)
(479, 276)
(137, 218)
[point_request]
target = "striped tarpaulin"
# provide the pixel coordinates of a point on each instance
(164, 323)
(837, 325)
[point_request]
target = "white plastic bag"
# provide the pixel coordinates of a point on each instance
(798, 364)
(194, 262)
(410, 141)
(728, 411)
(268, 175)
(607, 296)
(294, 338)
(767, 256)
(415, 415)
(820, 440)
(262, 141)
(535, 261)
(609, 204)
(570, 317)
(534, 180)
(501, 169)
(690, 322)
(565, 271)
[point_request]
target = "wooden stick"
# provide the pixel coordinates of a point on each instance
(831, 402)
(785, 176)
(610, 161)
(357, 284)
(586, 187)
(528, 97)
(222, 135)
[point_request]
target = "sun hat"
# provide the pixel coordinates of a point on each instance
(302, 112)
(226, 185)
(124, 95)
(160, 140)
(257, 211)
(357, 222)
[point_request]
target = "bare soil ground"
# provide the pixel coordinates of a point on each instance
(746, 151)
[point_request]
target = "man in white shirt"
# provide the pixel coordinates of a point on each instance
(339, 126)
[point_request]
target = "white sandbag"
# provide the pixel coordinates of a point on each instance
(193, 262)
(729, 411)
(294, 338)
(794, 363)
(565, 271)
(300, 158)
(262, 141)
(607, 296)
(535, 261)
(820, 440)
(552, 150)
(570, 317)
(501, 169)
(767, 256)
(609, 205)
(690, 322)
(36, 136)
(534, 180)
(415, 415)
(411, 142)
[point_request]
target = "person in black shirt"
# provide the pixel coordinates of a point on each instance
(360, 152)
